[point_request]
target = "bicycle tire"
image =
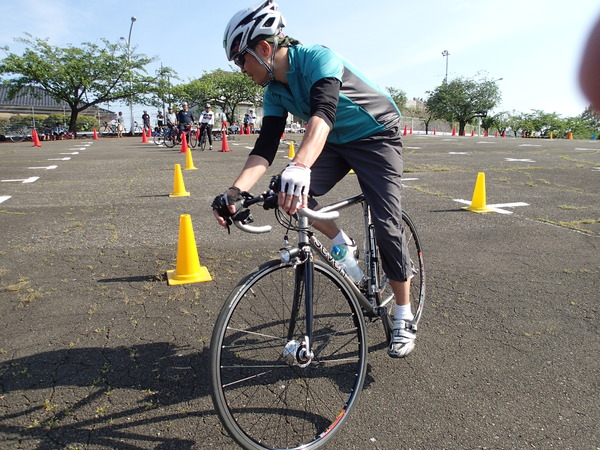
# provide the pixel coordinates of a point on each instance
(192, 140)
(264, 402)
(18, 136)
(170, 140)
(417, 284)
(203, 140)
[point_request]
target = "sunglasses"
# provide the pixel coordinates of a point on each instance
(240, 60)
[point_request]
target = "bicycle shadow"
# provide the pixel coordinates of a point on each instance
(161, 373)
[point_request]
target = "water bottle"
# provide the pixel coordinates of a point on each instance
(347, 261)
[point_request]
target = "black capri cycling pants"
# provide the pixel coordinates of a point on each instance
(377, 162)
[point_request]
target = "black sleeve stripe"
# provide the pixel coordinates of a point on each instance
(324, 98)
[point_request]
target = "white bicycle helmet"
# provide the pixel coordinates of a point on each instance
(250, 24)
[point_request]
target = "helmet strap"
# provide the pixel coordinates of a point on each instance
(270, 68)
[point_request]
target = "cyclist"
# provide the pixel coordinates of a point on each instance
(185, 118)
(207, 120)
(352, 124)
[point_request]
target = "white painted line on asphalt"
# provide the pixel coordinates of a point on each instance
(497, 208)
(66, 158)
(597, 169)
(458, 153)
(485, 142)
(518, 160)
(23, 180)
(587, 149)
(409, 179)
(529, 145)
(74, 153)
(45, 168)
(413, 148)
(3, 198)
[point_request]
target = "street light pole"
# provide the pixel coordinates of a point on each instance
(133, 19)
(446, 54)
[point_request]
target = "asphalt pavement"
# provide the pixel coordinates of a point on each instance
(97, 351)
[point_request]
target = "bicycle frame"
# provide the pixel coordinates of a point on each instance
(372, 304)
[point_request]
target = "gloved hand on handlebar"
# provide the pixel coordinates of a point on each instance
(225, 205)
(295, 183)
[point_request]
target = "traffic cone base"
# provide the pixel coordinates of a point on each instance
(187, 269)
(478, 203)
(178, 186)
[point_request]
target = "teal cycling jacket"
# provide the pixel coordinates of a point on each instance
(364, 109)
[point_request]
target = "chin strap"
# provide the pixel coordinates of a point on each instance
(270, 68)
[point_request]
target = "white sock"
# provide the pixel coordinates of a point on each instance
(403, 312)
(341, 239)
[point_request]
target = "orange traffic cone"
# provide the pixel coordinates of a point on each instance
(504, 134)
(242, 129)
(496, 134)
(224, 143)
(434, 131)
(454, 131)
(404, 133)
(473, 132)
(188, 268)
(570, 135)
(184, 145)
(35, 138)
(144, 138)
(478, 203)
(178, 186)
(95, 134)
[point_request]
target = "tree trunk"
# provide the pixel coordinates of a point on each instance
(73, 121)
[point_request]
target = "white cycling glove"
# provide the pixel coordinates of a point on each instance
(295, 180)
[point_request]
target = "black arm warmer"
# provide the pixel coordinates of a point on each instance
(268, 140)
(324, 97)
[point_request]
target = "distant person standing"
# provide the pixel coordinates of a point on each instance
(120, 125)
(185, 118)
(146, 121)
(160, 120)
(207, 121)
(251, 120)
(171, 118)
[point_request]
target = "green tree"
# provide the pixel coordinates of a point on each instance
(399, 97)
(462, 100)
(80, 76)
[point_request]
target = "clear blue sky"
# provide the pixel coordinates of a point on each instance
(534, 45)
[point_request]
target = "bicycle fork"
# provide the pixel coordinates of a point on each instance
(299, 353)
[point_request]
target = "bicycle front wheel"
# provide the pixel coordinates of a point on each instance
(263, 397)
(170, 140)
(192, 139)
(203, 141)
(159, 138)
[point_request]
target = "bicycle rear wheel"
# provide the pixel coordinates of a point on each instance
(203, 141)
(159, 138)
(263, 399)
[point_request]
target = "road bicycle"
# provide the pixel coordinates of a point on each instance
(174, 137)
(289, 349)
(203, 137)
(160, 134)
(107, 128)
(16, 134)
